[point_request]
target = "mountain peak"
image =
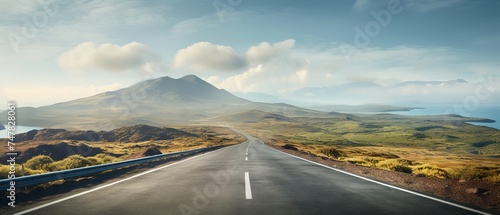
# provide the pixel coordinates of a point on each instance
(192, 79)
(459, 81)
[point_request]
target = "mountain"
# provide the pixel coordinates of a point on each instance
(161, 91)
(156, 102)
(427, 83)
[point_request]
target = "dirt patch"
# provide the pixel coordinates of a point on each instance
(476, 194)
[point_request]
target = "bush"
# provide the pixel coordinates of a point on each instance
(102, 159)
(495, 177)
(470, 173)
(4, 171)
(73, 161)
(398, 165)
(430, 171)
(332, 152)
(40, 162)
(367, 161)
(357, 161)
(106, 158)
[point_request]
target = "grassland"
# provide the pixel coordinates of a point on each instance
(199, 136)
(443, 147)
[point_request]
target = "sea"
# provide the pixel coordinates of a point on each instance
(489, 112)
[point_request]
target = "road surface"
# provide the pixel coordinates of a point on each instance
(248, 178)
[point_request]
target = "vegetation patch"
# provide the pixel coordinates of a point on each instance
(398, 165)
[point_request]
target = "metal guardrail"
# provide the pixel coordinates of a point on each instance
(83, 171)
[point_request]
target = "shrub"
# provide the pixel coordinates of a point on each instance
(106, 158)
(470, 173)
(102, 159)
(428, 170)
(495, 177)
(398, 165)
(357, 161)
(40, 162)
(4, 171)
(73, 161)
(363, 161)
(332, 152)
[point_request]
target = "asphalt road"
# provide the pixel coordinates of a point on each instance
(249, 178)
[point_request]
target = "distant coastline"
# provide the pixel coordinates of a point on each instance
(365, 108)
(490, 114)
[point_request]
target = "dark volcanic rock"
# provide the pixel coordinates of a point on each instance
(288, 146)
(151, 151)
(144, 153)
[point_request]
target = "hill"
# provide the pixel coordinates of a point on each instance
(253, 117)
(158, 102)
(135, 133)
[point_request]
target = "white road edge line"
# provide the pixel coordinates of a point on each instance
(248, 188)
(390, 186)
(107, 185)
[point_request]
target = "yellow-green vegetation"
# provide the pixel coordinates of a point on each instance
(43, 163)
(203, 136)
(431, 146)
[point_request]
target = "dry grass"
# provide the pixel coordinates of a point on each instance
(441, 150)
(117, 151)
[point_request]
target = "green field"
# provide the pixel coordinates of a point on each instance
(440, 146)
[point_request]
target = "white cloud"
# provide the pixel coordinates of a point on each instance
(264, 52)
(16, 8)
(415, 5)
(245, 82)
(429, 5)
(191, 25)
(299, 76)
(109, 57)
(361, 4)
(205, 56)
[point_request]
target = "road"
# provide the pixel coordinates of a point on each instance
(248, 178)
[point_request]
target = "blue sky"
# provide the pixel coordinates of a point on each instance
(59, 50)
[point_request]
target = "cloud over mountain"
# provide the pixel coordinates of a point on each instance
(204, 56)
(109, 57)
(264, 52)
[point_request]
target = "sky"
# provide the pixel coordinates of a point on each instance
(56, 50)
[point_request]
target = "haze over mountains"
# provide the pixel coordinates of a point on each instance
(409, 93)
(162, 101)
